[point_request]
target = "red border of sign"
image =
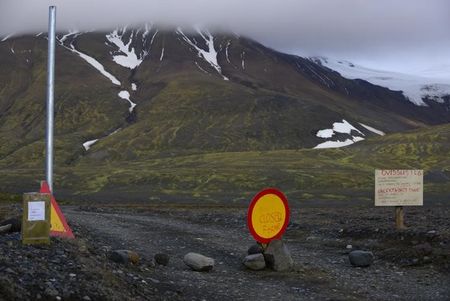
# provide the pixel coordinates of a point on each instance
(67, 233)
(252, 206)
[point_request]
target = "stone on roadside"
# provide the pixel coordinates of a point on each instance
(278, 257)
(124, 256)
(198, 262)
(15, 222)
(5, 228)
(162, 259)
(359, 258)
(424, 249)
(255, 262)
(255, 249)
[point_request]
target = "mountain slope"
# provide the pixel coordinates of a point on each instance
(138, 95)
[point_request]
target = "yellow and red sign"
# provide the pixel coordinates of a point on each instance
(58, 223)
(268, 215)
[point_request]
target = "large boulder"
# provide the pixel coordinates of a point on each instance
(278, 257)
(359, 258)
(255, 262)
(198, 262)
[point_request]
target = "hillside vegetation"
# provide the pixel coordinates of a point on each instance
(330, 174)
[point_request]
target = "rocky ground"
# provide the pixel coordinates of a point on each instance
(410, 265)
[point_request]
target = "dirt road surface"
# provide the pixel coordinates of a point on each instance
(318, 238)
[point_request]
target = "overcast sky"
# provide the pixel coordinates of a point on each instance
(390, 34)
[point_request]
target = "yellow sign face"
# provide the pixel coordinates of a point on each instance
(268, 215)
(56, 224)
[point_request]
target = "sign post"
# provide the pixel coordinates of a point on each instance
(268, 215)
(58, 225)
(399, 218)
(399, 187)
(50, 96)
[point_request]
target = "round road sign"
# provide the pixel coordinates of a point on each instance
(268, 215)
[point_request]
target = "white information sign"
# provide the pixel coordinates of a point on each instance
(399, 187)
(36, 211)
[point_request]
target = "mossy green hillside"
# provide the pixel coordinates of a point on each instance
(333, 174)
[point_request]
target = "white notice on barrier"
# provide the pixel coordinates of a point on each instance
(398, 187)
(36, 211)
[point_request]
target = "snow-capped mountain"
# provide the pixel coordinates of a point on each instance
(131, 92)
(434, 84)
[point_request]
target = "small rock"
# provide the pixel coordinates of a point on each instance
(51, 292)
(5, 228)
(427, 259)
(198, 262)
(154, 280)
(278, 257)
(361, 258)
(255, 262)
(162, 259)
(349, 247)
(255, 249)
(15, 222)
(83, 249)
(424, 249)
(124, 256)
(86, 298)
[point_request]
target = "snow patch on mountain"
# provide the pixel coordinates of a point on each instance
(87, 145)
(128, 57)
(337, 144)
(327, 133)
(343, 127)
(64, 37)
(373, 130)
(133, 87)
(93, 62)
(415, 88)
(126, 95)
(209, 55)
(7, 37)
(226, 52)
(162, 55)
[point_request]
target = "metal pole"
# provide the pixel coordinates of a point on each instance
(50, 96)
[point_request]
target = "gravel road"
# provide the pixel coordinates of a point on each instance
(317, 238)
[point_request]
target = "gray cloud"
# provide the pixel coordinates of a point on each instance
(394, 32)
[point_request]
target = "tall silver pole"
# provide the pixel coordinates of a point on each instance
(50, 96)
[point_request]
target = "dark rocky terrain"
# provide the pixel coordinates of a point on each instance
(409, 265)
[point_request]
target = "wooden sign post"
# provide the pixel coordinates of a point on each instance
(399, 218)
(399, 188)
